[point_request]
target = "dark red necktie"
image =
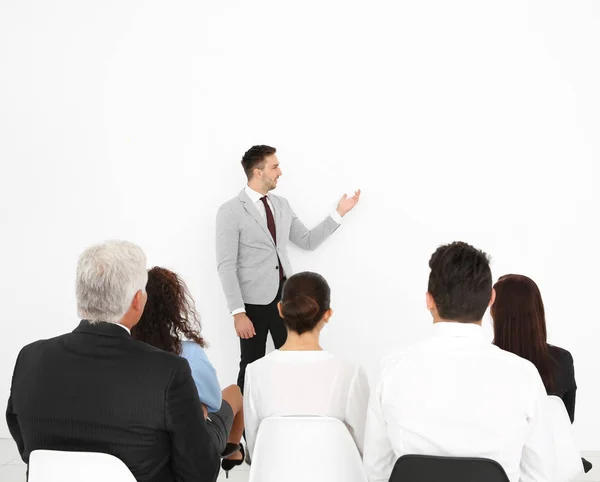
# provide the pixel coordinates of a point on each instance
(271, 226)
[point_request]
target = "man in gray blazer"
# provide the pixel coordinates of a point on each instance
(253, 231)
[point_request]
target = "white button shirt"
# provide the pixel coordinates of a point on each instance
(317, 383)
(457, 395)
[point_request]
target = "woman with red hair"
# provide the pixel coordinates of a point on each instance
(520, 327)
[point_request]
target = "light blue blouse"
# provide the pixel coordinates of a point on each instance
(204, 375)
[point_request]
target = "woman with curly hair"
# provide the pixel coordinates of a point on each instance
(170, 322)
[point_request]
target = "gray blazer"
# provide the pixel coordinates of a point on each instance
(246, 254)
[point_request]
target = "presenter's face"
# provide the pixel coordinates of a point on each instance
(271, 172)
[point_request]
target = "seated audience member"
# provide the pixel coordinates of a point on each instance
(98, 390)
(455, 394)
(301, 378)
(520, 328)
(170, 322)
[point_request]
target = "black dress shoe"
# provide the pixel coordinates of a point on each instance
(228, 464)
(230, 449)
(587, 466)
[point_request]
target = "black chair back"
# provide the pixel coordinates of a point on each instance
(427, 468)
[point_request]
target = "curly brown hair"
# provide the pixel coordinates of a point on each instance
(170, 314)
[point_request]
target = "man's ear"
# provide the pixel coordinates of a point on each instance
(429, 301)
(139, 301)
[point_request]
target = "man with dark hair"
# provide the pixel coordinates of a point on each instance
(455, 394)
(253, 231)
(460, 283)
(255, 157)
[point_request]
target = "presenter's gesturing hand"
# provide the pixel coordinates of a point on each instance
(347, 203)
(243, 326)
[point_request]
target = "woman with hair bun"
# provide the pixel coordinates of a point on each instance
(301, 378)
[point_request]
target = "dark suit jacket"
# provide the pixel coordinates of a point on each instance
(564, 378)
(98, 390)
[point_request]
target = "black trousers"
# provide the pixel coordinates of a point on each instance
(266, 320)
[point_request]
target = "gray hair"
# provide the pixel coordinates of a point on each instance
(108, 277)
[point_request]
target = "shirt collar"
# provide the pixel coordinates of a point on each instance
(253, 195)
(122, 326)
(292, 355)
(102, 328)
(456, 329)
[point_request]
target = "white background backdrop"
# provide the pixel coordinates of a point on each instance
(476, 121)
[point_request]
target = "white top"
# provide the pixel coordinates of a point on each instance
(297, 383)
(255, 197)
(455, 395)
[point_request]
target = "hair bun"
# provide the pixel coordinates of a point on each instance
(304, 300)
(300, 309)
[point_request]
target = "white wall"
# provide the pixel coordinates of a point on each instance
(475, 121)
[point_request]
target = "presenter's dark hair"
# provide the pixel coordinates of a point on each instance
(255, 157)
(520, 323)
(460, 282)
(170, 315)
(304, 301)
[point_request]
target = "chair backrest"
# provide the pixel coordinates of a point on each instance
(428, 468)
(59, 466)
(568, 457)
(305, 449)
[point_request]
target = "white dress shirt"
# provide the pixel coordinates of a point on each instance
(311, 383)
(255, 197)
(454, 395)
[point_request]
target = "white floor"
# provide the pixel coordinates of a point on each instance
(12, 468)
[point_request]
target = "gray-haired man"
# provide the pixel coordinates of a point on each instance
(98, 390)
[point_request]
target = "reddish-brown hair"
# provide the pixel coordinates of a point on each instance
(170, 315)
(520, 323)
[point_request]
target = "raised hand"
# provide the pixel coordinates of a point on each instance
(347, 203)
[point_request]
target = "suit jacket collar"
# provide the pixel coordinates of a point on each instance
(250, 207)
(101, 328)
